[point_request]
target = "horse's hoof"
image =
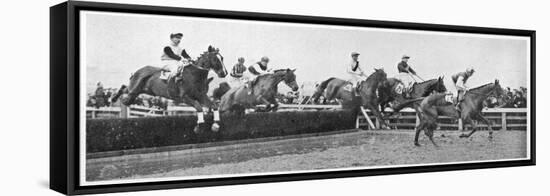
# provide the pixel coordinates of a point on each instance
(215, 127)
(197, 129)
(463, 135)
(417, 144)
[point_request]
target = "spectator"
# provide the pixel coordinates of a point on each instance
(100, 95)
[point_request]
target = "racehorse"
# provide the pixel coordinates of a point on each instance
(470, 109)
(335, 88)
(264, 89)
(189, 85)
(388, 90)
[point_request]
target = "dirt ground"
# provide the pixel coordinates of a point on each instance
(363, 148)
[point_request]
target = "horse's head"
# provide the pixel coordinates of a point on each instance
(440, 85)
(213, 60)
(289, 78)
(379, 75)
(497, 89)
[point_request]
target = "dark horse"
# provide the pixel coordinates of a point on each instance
(189, 85)
(387, 92)
(264, 90)
(335, 88)
(435, 105)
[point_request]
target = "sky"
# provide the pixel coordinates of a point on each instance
(116, 45)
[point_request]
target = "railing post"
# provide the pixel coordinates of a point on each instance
(124, 111)
(93, 114)
(357, 122)
(503, 121)
(377, 123)
(460, 124)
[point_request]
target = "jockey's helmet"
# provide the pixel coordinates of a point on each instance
(354, 54)
(405, 57)
(241, 59)
(470, 70)
(265, 59)
(178, 35)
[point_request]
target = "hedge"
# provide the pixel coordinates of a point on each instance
(104, 135)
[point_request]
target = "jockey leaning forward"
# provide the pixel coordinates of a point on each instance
(173, 56)
(353, 69)
(255, 70)
(459, 81)
(405, 74)
(237, 73)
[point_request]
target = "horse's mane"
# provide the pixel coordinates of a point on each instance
(477, 88)
(430, 80)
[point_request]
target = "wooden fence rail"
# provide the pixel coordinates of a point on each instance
(502, 119)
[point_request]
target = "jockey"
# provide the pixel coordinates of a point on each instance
(354, 70)
(173, 56)
(255, 70)
(237, 72)
(460, 80)
(405, 71)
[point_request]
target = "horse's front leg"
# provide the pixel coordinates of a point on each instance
(198, 107)
(472, 124)
(489, 124)
(378, 115)
(211, 106)
(417, 133)
(274, 105)
(268, 104)
(430, 133)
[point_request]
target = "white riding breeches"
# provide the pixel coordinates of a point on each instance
(407, 79)
(354, 79)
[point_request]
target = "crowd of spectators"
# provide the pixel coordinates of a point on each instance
(101, 97)
(511, 98)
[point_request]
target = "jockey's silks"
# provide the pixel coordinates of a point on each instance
(175, 49)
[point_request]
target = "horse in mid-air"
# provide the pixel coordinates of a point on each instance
(189, 85)
(365, 95)
(390, 91)
(470, 110)
(262, 90)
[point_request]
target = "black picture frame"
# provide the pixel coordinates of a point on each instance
(64, 92)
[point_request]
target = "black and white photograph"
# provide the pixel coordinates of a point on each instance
(179, 98)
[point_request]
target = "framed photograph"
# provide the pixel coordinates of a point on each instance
(146, 97)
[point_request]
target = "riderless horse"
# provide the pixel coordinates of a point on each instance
(264, 89)
(435, 105)
(189, 85)
(335, 88)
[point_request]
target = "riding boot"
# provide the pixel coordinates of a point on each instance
(457, 105)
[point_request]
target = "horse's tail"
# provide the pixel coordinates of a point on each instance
(119, 93)
(320, 89)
